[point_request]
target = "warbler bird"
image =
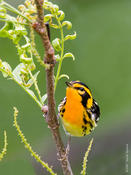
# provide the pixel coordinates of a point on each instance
(78, 111)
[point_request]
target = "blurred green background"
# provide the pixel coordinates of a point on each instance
(103, 61)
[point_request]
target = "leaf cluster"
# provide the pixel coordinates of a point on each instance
(16, 29)
(56, 20)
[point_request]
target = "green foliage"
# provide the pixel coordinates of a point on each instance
(55, 19)
(4, 150)
(16, 29)
(20, 76)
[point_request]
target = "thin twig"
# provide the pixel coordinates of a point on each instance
(36, 86)
(51, 118)
(28, 146)
(84, 166)
(4, 150)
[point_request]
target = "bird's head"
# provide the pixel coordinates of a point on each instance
(78, 91)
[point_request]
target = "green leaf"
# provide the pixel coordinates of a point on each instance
(25, 60)
(15, 37)
(56, 44)
(2, 9)
(54, 9)
(22, 7)
(6, 69)
(47, 5)
(44, 97)
(12, 29)
(17, 72)
(31, 92)
(61, 15)
(57, 57)
(31, 81)
(69, 55)
(48, 17)
(20, 29)
(63, 76)
(55, 26)
(68, 24)
(6, 66)
(4, 73)
(32, 66)
(4, 32)
(70, 37)
(0, 63)
(26, 46)
(2, 15)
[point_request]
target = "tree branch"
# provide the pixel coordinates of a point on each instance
(51, 118)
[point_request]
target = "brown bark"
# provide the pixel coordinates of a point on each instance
(51, 117)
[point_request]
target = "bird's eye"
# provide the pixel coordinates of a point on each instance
(82, 89)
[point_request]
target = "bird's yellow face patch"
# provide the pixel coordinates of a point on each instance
(73, 94)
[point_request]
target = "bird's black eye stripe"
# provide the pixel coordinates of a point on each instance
(80, 88)
(74, 82)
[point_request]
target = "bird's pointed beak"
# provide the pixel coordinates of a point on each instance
(68, 84)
